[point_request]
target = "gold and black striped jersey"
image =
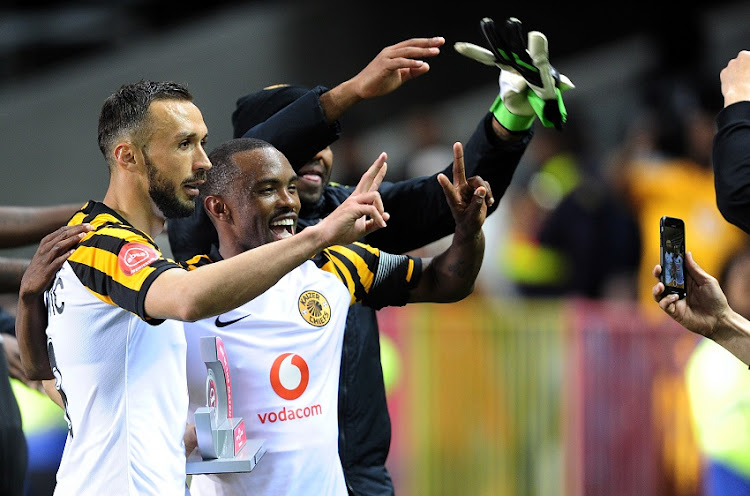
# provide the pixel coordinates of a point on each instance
(373, 277)
(115, 261)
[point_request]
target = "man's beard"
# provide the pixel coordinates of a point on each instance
(164, 196)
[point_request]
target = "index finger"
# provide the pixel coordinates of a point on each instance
(373, 176)
(459, 171)
(434, 42)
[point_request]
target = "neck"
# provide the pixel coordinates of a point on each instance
(135, 206)
(229, 246)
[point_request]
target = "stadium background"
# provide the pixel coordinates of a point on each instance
(490, 396)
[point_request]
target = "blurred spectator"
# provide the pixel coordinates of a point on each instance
(668, 171)
(719, 388)
(591, 227)
(569, 230)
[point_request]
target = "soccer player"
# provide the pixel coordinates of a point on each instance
(296, 328)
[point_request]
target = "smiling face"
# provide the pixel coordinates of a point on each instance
(174, 157)
(314, 176)
(263, 201)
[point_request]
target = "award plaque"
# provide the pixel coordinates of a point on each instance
(222, 444)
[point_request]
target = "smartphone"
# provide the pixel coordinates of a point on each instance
(672, 235)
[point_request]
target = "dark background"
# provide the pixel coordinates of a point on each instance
(39, 36)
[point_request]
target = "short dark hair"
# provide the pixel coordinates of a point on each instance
(224, 169)
(126, 109)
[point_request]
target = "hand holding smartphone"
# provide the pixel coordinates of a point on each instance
(672, 235)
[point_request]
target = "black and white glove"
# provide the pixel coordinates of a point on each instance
(509, 52)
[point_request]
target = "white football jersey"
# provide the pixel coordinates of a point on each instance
(284, 353)
(121, 376)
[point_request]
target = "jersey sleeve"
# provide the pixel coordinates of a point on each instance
(731, 157)
(375, 278)
(118, 264)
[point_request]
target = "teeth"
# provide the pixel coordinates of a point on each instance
(285, 222)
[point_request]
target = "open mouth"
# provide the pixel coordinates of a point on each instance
(283, 228)
(311, 178)
(311, 173)
(192, 188)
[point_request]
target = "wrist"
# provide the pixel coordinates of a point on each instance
(733, 333)
(312, 239)
(514, 123)
(728, 326)
(336, 101)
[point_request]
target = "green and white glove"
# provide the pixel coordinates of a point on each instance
(509, 52)
(512, 107)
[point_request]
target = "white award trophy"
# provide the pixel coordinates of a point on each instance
(222, 445)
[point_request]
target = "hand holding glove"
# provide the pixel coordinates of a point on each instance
(509, 52)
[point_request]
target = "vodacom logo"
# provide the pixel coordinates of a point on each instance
(289, 376)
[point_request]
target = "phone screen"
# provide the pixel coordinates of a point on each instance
(673, 255)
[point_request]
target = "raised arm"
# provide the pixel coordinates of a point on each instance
(493, 152)
(219, 287)
(309, 124)
(450, 276)
(731, 152)
(391, 68)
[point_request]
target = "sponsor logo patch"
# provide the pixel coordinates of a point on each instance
(135, 256)
(289, 376)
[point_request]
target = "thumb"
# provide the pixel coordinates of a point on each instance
(479, 198)
(539, 51)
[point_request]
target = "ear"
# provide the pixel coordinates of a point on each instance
(217, 209)
(124, 154)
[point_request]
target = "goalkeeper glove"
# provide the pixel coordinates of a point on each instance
(509, 53)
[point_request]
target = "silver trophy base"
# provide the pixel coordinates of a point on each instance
(245, 460)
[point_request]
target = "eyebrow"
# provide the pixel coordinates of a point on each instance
(274, 180)
(188, 135)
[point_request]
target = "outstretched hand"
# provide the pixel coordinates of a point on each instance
(527, 57)
(395, 65)
(704, 305)
(468, 200)
(361, 213)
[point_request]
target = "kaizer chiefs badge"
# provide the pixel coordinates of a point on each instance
(314, 308)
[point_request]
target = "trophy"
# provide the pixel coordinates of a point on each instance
(222, 444)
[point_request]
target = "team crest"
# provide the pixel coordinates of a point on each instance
(314, 308)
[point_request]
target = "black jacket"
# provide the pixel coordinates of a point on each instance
(731, 162)
(419, 216)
